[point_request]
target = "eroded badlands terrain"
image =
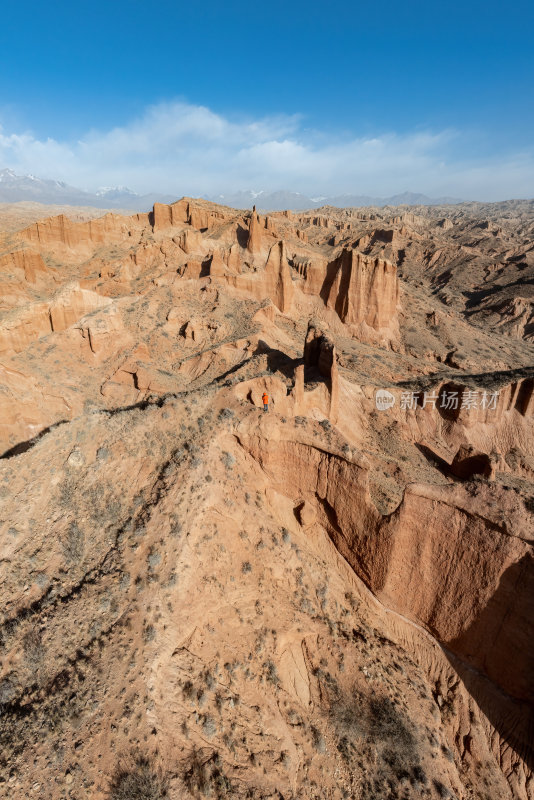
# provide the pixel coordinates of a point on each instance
(329, 600)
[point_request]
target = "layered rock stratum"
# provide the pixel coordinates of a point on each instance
(334, 599)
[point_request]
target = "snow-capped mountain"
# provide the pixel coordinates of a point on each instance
(275, 201)
(106, 191)
(14, 188)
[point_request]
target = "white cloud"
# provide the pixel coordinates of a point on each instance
(186, 149)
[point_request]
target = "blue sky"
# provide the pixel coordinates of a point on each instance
(315, 97)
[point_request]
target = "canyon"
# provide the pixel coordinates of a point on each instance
(334, 599)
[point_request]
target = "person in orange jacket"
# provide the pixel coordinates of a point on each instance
(265, 398)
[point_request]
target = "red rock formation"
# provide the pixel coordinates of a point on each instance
(233, 258)
(105, 333)
(217, 267)
(307, 514)
(469, 462)
(481, 542)
(270, 226)
(23, 326)
(517, 317)
(489, 407)
(313, 271)
(199, 218)
(320, 353)
(30, 262)
(279, 286)
(167, 216)
(189, 241)
(194, 270)
(362, 290)
(72, 304)
(273, 281)
(254, 233)
(198, 214)
(476, 553)
(61, 230)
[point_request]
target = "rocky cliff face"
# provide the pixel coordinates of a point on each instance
(331, 599)
(31, 264)
(200, 215)
(320, 356)
(279, 286)
(60, 230)
(254, 233)
(32, 322)
(362, 290)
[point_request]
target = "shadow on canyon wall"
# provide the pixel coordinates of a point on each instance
(494, 657)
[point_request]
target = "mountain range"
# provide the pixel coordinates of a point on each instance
(274, 201)
(15, 188)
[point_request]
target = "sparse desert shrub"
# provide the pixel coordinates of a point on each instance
(442, 790)
(447, 752)
(344, 748)
(386, 722)
(7, 691)
(419, 775)
(73, 543)
(33, 647)
(364, 721)
(318, 740)
(176, 526)
(102, 454)
(188, 690)
(285, 759)
(227, 459)
(154, 559)
(352, 601)
(138, 779)
(204, 777)
(208, 678)
(209, 727)
(149, 633)
(270, 673)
